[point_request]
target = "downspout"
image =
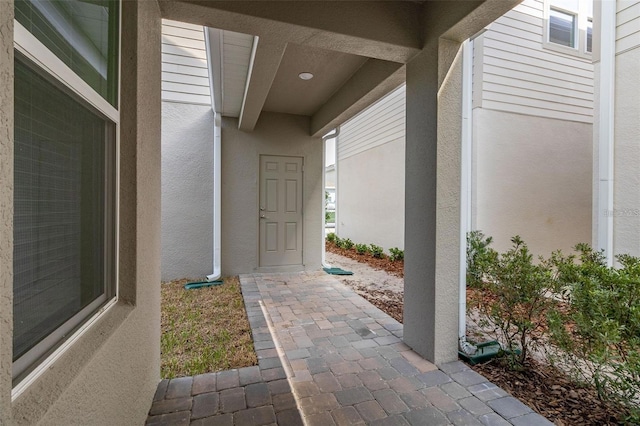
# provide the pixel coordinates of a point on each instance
(326, 137)
(465, 190)
(605, 135)
(217, 188)
(213, 42)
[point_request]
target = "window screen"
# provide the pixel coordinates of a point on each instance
(82, 34)
(63, 209)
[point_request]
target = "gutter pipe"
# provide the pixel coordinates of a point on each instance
(213, 42)
(326, 137)
(217, 188)
(465, 191)
(605, 135)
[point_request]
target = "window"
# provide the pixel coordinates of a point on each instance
(66, 127)
(562, 28)
(82, 34)
(569, 26)
(589, 35)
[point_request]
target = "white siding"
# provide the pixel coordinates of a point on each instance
(185, 76)
(514, 72)
(628, 25)
(379, 124)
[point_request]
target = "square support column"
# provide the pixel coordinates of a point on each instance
(432, 201)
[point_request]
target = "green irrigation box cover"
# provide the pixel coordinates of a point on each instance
(485, 352)
(202, 284)
(337, 271)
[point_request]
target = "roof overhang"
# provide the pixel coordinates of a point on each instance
(355, 49)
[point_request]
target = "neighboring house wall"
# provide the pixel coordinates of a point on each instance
(532, 142)
(187, 154)
(533, 179)
(330, 177)
(532, 133)
(370, 157)
(185, 75)
(275, 134)
(627, 130)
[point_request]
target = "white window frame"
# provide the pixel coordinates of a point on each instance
(581, 19)
(30, 47)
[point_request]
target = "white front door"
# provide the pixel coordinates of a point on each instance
(280, 211)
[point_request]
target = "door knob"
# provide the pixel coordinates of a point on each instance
(263, 217)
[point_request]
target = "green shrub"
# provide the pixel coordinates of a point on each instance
(599, 332)
(479, 258)
(396, 254)
(347, 244)
(376, 251)
(520, 303)
(362, 248)
(331, 237)
(338, 242)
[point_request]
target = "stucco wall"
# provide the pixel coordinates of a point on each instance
(275, 134)
(533, 179)
(107, 376)
(187, 190)
(371, 196)
(6, 207)
(627, 154)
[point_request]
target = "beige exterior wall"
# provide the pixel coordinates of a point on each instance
(108, 373)
(370, 152)
(187, 190)
(371, 196)
(187, 153)
(532, 177)
(626, 220)
(275, 134)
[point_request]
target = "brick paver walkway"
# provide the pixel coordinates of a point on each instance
(346, 363)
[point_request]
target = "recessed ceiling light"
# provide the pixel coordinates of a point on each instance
(305, 75)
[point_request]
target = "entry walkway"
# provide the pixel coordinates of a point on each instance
(345, 362)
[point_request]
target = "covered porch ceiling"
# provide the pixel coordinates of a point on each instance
(356, 50)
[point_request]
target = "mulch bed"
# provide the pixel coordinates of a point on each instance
(552, 394)
(389, 302)
(542, 387)
(384, 263)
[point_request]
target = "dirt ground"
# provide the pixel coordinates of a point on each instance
(379, 287)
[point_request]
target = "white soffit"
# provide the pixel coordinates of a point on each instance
(230, 54)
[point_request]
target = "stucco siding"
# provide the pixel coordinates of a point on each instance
(187, 190)
(185, 77)
(6, 207)
(371, 196)
(513, 71)
(533, 179)
(275, 134)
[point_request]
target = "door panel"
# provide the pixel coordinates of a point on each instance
(280, 211)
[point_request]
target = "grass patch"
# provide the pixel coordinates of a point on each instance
(204, 330)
